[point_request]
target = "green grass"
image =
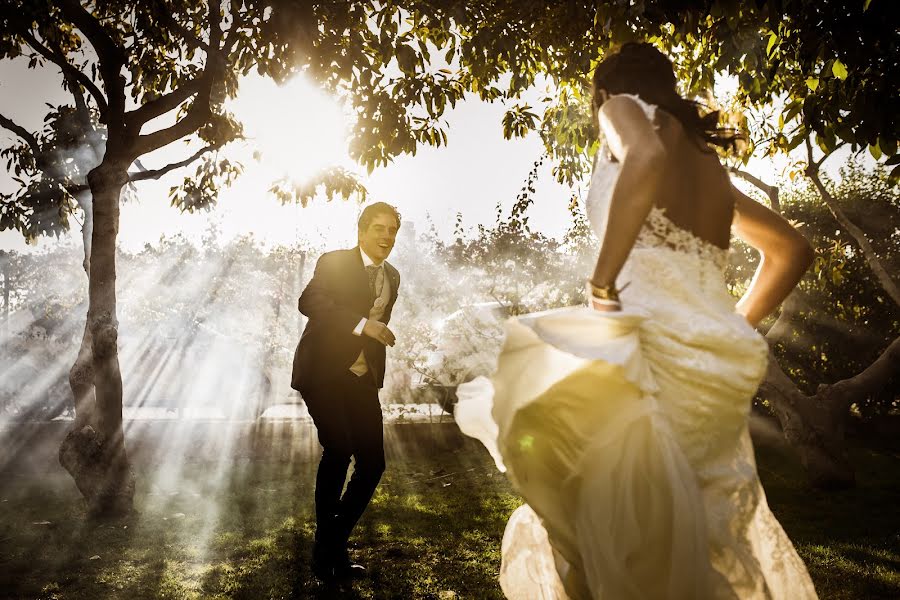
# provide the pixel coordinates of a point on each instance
(849, 539)
(243, 529)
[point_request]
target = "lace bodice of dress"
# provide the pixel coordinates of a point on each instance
(658, 231)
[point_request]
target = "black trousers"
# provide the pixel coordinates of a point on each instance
(348, 418)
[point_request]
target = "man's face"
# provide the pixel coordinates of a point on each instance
(378, 240)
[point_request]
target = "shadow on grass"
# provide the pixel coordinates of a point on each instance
(425, 535)
(241, 527)
(849, 539)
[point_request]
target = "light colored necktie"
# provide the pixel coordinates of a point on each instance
(376, 279)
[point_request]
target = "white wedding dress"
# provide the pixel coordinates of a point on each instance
(626, 434)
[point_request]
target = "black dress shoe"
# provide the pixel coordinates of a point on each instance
(344, 568)
(323, 564)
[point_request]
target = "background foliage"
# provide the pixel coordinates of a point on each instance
(226, 311)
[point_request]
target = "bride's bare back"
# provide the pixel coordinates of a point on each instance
(666, 166)
(697, 195)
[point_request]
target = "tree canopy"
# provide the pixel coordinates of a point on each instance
(400, 64)
(144, 75)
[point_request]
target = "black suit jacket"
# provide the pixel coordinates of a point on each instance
(335, 300)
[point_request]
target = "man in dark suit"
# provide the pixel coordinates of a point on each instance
(338, 368)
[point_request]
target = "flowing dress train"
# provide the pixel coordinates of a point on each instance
(626, 434)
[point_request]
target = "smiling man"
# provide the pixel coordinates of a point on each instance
(339, 368)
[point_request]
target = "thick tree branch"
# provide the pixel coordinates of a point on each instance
(22, 133)
(811, 427)
(84, 114)
(173, 99)
(846, 392)
(70, 72)
(195, 118)
(76, 188)
(887, 283)
(160, 106)
(110, 55)
(770, 190)
(200, 111)
(158, 173)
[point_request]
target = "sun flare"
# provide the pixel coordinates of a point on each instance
(297, 128)
(293, 131)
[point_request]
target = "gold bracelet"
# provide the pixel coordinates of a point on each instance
(604, 292)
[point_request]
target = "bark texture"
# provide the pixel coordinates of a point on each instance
(859, 236)
(816, 424)
(94, 451)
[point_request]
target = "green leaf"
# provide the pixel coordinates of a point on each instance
(793, 109)
(773, 39)
(406, 59)
(812, 83)
(866, 5)
(895, 175)
(796, 141)
(839, 70)
(875, 151)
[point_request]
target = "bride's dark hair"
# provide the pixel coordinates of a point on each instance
(641, 69)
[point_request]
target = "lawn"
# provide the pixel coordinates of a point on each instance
(241, 526)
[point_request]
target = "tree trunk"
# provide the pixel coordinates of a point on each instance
(4, 261)
(93, 451)
(782, 331)
(884, 278)
(812, 427)
(816, 425)
(87, 229)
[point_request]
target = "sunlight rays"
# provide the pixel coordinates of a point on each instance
(193, 361)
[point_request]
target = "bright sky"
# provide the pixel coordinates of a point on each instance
(298, 129)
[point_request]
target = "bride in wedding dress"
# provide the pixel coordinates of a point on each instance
(623, 424)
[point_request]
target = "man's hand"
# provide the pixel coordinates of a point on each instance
(379, 332)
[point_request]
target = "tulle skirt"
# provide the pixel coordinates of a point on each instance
(629, 444)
